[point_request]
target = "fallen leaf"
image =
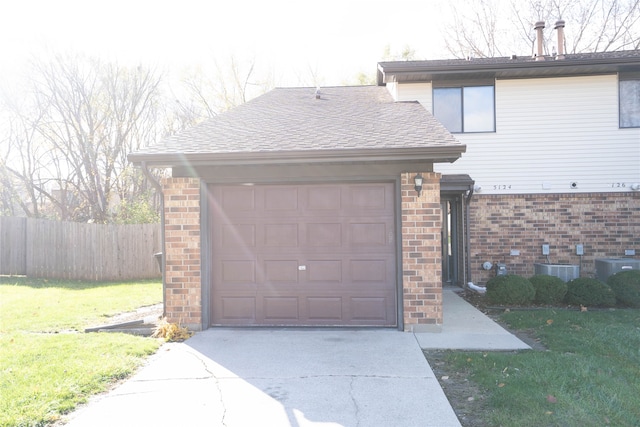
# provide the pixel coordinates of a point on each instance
(550, 322)
(548, 413)
(501, 385)
(445, 377)
(471, 399)
(551, 399)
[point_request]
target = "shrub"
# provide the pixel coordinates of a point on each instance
(626, 287)
(510, 290)
(589, 293)
(549, 289)
(171, 331)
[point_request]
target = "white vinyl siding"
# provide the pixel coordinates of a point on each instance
(420, 92)
(550, 133)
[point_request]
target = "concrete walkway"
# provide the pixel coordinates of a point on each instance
(297, 377)
(467, 328)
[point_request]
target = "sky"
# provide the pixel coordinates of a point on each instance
(336, 39)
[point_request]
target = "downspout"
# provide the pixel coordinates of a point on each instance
(158, 187)
(467, 236)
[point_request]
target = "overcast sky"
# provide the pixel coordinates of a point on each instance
(336, 38)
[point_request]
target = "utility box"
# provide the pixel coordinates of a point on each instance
(606, 267)
(566, 272)
(501, 269)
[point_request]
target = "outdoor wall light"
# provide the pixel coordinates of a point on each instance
(417, 180)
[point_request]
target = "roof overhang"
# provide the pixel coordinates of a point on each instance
(456, 184)
(431, 154)
(422, 71)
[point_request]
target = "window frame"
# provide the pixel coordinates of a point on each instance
(633, 77)
(461, 86)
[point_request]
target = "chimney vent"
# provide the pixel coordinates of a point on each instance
(560, 28)
(539, 26)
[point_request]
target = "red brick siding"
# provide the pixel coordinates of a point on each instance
(421, 252)
(182, 247)
(605, 223)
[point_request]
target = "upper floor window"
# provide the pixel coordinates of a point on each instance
(465, 108)
(629, 103)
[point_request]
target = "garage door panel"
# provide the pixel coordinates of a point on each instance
(325, 309)
(281, 271)
(238, 309)
(369, 309)
(238, 236)
(369, 270)
(324, 198)
(369, 197)
(368, 234)
(238, 271)
(281, 235)
(324, 270)
(281, 309)
(324, 235)
(303, 255)
(235, 199)
(282, 198)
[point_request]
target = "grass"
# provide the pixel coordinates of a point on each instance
(588, 376)
(47, 368)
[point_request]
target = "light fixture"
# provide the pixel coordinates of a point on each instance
(418, 183)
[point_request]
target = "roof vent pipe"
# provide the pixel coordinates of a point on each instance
(560, 28)
(539, 27)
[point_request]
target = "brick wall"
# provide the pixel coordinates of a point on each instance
(182, 247)
(421, 253)
(605, 223)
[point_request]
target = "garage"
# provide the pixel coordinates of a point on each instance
(305, 207)
(303, 255)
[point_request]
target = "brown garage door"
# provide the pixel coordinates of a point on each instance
(303, 255)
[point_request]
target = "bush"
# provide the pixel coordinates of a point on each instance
(510, 290)
(626, 287)
(589, 293)
(549, 289)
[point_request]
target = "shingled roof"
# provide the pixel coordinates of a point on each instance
(288, 125)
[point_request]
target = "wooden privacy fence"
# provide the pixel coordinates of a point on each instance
(77, 251)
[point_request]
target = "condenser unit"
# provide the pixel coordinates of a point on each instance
(609, 266)
(565, 272)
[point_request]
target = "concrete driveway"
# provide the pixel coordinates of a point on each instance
(279, 377)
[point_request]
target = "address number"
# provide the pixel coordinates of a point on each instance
(618, 185)
(502, 187)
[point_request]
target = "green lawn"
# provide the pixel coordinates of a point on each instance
(588, 377)
(47, 365)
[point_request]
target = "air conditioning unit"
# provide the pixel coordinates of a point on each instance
(565, 272)
(609, 266)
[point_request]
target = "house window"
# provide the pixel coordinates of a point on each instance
(629, 103)
(465, 109)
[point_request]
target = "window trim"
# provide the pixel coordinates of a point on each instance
(462, 85)
(625, 77)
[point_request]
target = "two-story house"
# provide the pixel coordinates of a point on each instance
(553, 150)
(351, 206)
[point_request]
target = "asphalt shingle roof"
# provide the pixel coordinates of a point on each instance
(293, 120)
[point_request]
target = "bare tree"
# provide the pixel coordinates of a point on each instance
(206, 93)
(482, 28)
(68, 142)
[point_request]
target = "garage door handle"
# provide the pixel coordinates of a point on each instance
(302, 268)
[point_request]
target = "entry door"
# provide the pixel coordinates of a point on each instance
(303, 254)
(451, 209)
